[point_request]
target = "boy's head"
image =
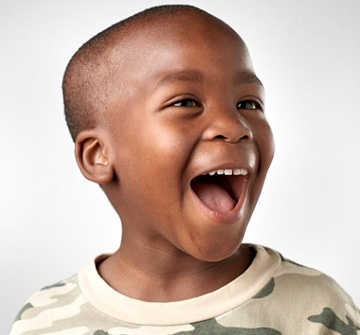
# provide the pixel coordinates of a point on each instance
(156, 104)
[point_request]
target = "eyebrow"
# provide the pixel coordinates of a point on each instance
(186, 75)
(245, 77)
(248, 78)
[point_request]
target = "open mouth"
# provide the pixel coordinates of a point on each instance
(220, 190)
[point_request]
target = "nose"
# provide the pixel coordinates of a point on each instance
(228, 125)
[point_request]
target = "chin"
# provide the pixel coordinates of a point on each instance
(217, 251)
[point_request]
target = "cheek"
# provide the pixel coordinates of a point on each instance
(168, 146)
(265, 142)
(270, 146)
(152, 164)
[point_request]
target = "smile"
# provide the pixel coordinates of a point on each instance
(220, 190)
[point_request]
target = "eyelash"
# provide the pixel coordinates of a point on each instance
(255, 105)
(184, 103)
(240, 105)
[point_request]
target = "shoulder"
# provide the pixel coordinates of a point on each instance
(50, 304)
(311, 294)
(305, 281)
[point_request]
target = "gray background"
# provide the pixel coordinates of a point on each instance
(307, 54)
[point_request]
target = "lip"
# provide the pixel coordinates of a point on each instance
(232, 216)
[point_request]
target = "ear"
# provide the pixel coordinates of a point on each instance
(91, 157)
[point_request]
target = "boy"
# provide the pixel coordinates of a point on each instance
(167, 116)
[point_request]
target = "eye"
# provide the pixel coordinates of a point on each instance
(249, 105)
(186, 103)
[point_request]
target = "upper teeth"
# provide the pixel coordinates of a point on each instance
(229, 172)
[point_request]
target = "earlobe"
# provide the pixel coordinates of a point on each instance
(91, 157)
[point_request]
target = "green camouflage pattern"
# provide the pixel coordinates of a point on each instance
(297, 300)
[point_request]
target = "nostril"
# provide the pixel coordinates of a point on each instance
(234, 138)
(228, 128)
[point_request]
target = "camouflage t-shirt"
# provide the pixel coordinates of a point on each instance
(274, 296)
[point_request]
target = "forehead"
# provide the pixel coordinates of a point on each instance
(179, 38)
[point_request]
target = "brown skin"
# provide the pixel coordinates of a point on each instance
(179, 117)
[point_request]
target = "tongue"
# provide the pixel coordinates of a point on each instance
(214, 197)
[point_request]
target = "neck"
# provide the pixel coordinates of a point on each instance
(154, 275)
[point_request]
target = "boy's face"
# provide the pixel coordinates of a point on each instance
(188, 104)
